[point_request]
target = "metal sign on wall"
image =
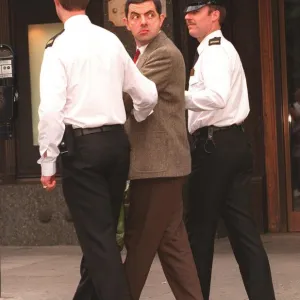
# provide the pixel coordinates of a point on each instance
(116, 11)
(6, 69)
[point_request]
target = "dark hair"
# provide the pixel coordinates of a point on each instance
(222, 11)
(73, 5)
(157, 4)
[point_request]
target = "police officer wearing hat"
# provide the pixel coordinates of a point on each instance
(220, 182)
(84, 73)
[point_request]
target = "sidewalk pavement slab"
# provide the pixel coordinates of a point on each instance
(52, 273)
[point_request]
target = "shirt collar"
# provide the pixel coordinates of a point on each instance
(142, 49)
(77, 21)
(204, 42)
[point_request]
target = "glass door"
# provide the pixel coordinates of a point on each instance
(290, 56)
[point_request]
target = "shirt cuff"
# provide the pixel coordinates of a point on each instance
(188, 99)
(48, 168)
(141, 116)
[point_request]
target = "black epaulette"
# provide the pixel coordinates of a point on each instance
(51, 41)
(214, 41)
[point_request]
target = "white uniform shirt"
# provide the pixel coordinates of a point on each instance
(217, 92)
(83, 76)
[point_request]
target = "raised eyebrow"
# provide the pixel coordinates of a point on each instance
(150, 11)
(134, 13)
(146, 13)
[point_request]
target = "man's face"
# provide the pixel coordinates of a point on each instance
(201, 22)
(144, 22)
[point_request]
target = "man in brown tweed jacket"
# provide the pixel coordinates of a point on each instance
(160, 162)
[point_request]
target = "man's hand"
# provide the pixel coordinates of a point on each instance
(48, 182)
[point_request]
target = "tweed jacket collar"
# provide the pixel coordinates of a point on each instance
(154, 44)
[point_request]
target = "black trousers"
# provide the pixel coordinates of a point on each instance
(219, 187)
(94, 181)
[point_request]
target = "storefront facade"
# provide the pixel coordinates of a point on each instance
(264, 33)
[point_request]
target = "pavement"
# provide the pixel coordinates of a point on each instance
(52, 273)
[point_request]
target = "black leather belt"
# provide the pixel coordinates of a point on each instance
(204, 130)
(104, 128)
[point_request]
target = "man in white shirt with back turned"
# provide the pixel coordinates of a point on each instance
(84, 73)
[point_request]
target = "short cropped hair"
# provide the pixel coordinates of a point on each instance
(157, 4)
(73, 5)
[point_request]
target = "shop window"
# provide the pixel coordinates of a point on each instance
(38, 36)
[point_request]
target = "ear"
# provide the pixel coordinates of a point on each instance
(125, 21)
(216, 15)
(162, 19)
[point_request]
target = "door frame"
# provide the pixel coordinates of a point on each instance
(240, 15)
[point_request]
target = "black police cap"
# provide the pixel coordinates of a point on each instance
(195, 5)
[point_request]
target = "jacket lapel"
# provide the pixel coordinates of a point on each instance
(157, 41)
(142, 59)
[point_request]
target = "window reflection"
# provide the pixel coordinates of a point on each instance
(292, 25)
(38, 36)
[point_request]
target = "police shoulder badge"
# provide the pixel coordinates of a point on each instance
(214, 41)
(51, 41)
